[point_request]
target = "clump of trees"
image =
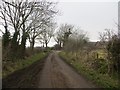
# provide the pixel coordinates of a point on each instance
(77, 41)
(71, 39)
(62, 34)
(22, 21)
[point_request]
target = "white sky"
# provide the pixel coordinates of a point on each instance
(93, 16)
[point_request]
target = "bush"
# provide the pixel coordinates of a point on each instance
(113, 48)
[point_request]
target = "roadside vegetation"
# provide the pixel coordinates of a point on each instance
(98, 61)
(97, 76)
(10, 67)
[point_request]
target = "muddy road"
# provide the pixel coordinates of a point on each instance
(49, 73)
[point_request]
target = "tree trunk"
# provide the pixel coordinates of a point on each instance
(32, 43)
(6, 38)
(23, 46)
(14, 46)
(23, 43)
(60, 44)
(46, 45)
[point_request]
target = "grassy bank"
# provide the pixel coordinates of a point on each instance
(10, 67)
(100, 79)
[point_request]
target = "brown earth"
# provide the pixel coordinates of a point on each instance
(51, 72)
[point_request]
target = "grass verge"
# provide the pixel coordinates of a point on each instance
(10, 67)
(101, 80)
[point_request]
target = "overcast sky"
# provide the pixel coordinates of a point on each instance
(93, 17)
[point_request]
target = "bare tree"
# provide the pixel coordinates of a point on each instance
(47, 34)
(63, 33)
(42, 16)
(77, 40)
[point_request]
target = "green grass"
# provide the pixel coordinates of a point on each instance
(10, 67)
(102, 80)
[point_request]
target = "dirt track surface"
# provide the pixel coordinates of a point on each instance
(50, 73)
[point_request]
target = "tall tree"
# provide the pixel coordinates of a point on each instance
(63, 33)
(47, 34)
(43, 17)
